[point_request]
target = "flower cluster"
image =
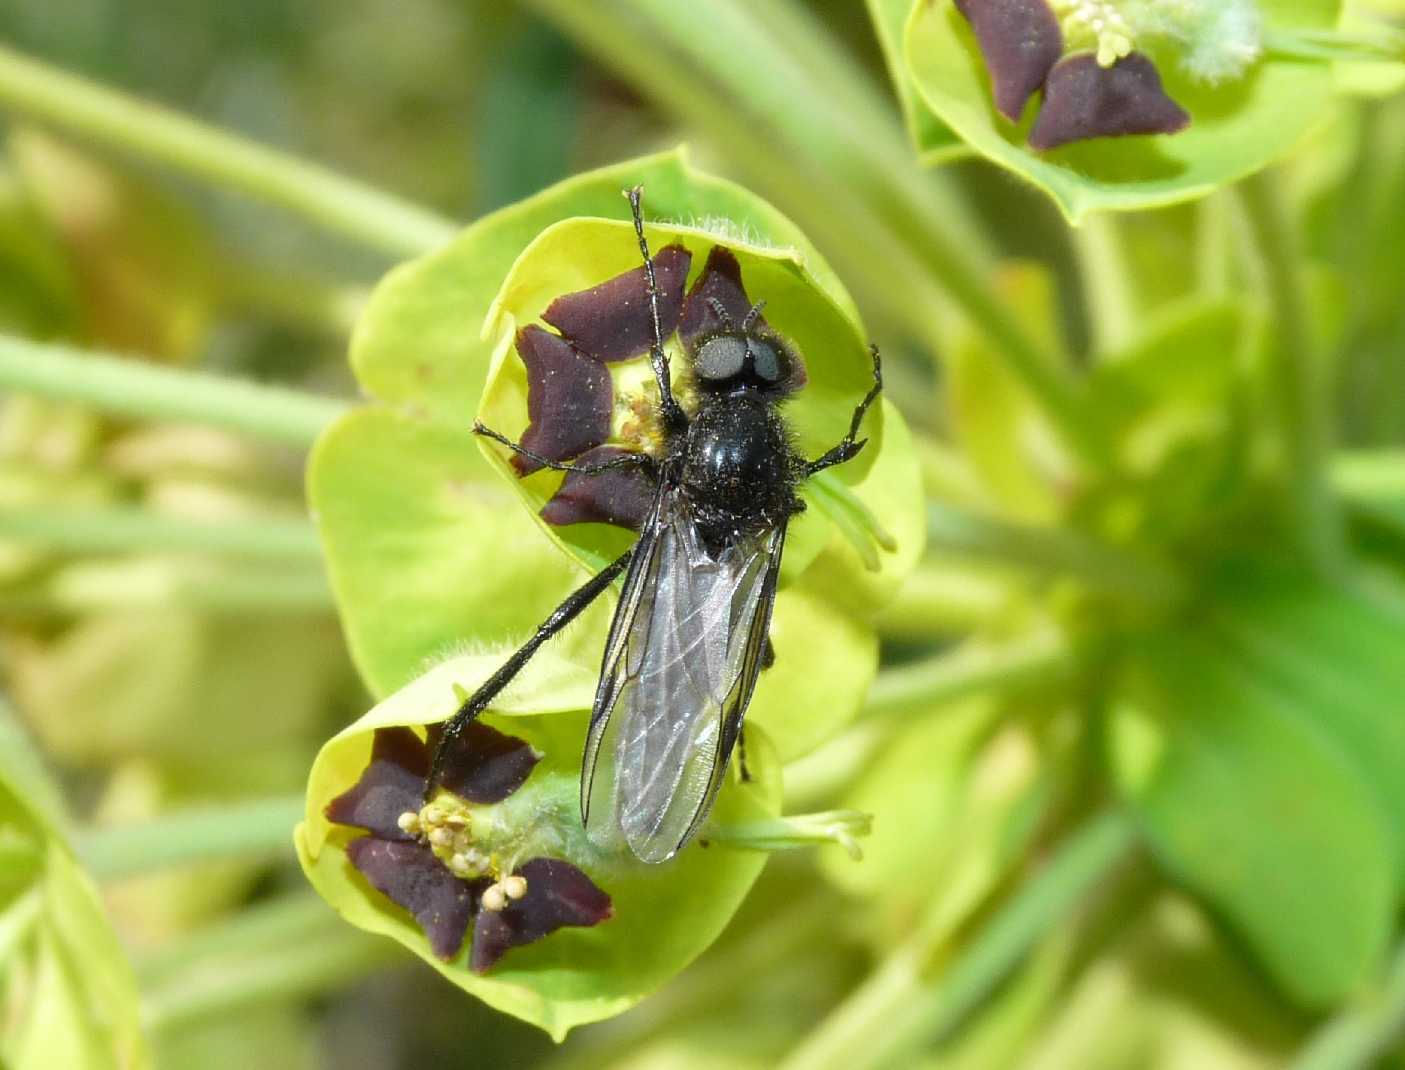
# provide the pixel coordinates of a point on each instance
(444, 861)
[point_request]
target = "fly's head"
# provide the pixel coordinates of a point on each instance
(739, 359)
(730, 349)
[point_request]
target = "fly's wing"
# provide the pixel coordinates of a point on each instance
(680, 667)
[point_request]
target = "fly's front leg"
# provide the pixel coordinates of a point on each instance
(473, 707)
(850, 445)
(631, 460)
(672, 414)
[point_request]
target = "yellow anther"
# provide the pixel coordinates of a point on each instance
(441, 837)
(514, 886)
(494, 898)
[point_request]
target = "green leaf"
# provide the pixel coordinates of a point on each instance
(1191, 353)
(1335, 657)
(1236, 127)
(1163, 994)
(1257, 809)
(82, 1011)
(1175, 404)
(664, 916)
(23, 769)
(73, 999)
(934, 141)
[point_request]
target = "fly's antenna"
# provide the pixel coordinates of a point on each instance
(720, 311)
(673, 416)
(753, 315)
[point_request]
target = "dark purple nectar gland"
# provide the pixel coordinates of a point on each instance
(1112, 91)
(1083, 100)
(445, 861)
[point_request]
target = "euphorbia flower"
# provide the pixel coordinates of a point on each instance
(1108, 92)
(571, 401)
(435, 861)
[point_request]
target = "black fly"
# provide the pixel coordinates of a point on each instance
(690, 635)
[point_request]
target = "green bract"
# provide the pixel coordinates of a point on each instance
(933, 138)
(664, 916)
(1237, 126)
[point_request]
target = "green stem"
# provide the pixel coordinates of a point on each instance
(262, 827)
(1384, 44)
(1042, 659)
(1109, 291)
(1054, 551)
(1297, 376)
(128, 585)
(72, 104)
(1370, 475)
(841, 827)
(122, 530)
(900, 1008)
(151, 392)
(291, 948)
(801, 121)
(1362, 1034)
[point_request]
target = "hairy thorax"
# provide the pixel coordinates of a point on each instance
(739, 468)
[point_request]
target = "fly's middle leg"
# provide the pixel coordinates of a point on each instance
(630, 460)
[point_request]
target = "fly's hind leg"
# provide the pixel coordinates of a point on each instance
(630, 460)
(475, 704)
(850, 445)
(741, 755)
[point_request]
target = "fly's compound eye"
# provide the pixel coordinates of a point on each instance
(720, 358)
(770, 366)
